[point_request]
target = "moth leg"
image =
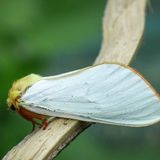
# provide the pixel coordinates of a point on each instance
(45, 124)
(33, 126)
(34, 123)
(31, 116)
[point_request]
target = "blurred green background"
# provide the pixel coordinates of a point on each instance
(50, 37)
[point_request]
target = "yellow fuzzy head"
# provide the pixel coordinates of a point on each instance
(18, 89)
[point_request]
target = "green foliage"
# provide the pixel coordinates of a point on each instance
(48, 37)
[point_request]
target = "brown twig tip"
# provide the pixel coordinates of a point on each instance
(123, 26)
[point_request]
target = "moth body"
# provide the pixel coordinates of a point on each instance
(107, 93)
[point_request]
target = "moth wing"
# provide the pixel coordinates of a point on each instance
(106, 93)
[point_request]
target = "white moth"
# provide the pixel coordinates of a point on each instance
(107, 93)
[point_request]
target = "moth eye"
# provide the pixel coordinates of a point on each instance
(12, 107)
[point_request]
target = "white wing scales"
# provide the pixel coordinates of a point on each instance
(107, 93)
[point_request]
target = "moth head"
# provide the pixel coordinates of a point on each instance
(18, 89)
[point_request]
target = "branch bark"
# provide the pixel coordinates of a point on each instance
(123, 26)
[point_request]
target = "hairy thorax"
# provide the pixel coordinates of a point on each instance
(18, 89)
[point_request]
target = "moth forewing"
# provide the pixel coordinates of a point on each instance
(106, 93)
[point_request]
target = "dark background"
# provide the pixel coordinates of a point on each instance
(50, 37)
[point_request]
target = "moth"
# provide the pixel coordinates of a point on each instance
(106, 93)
